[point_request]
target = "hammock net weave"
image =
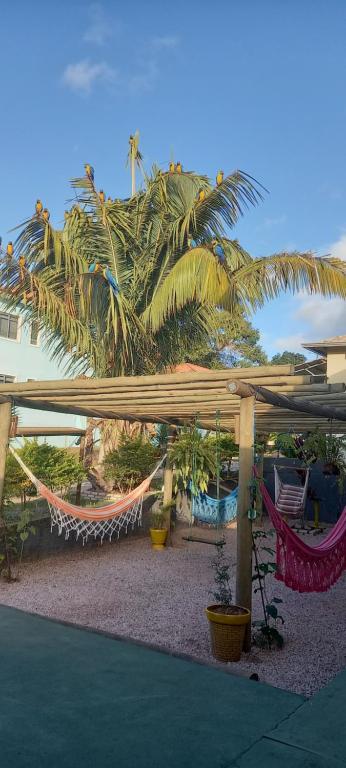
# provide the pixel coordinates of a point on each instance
(97, 522)
(301, 567)
(205, 509)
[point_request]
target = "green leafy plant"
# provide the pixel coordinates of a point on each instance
(13, 535)
(193, 456)
(56, 467)
(331, 449)
(130, 463)
(221, 566)
(267, 630)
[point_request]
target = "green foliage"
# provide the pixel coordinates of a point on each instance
(267, 631)
(130, 285)
(285, 444)
(288, 358)
(194, 459)
(13, 535)
(328, 448)
(16, 481)
(130, 463)
(57, 468)
(221, 567)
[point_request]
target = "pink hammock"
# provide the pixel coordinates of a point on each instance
(304, 568)
(97, 521)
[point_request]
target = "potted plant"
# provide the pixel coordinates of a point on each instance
(330, 449)
(159, 528)
(227, 622)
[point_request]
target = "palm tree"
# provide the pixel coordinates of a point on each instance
(122, 284)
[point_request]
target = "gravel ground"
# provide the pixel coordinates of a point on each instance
(159, 598)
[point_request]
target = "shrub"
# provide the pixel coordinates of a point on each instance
(130, 463)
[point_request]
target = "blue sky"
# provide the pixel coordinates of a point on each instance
(253, 85)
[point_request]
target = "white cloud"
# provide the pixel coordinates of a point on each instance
(145, 79)
(269, 223)
(165, 42)
(322, 317)
(99, 29)
(83, 75)
(338, 248)
(291, 343)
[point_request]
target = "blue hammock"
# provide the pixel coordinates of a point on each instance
(205, 509)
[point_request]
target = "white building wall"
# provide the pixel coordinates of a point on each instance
(23, 360)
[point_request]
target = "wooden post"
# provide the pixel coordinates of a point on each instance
(244, 529)
(5, 426)
(81, 460)
(168, 483)
(259, 503)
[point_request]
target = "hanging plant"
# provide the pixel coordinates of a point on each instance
(194, 460)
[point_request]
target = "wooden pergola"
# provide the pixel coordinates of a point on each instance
(248, 400)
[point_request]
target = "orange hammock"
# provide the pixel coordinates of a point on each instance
(299, 566)
(98, 521)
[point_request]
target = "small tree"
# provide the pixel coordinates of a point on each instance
(130, 463)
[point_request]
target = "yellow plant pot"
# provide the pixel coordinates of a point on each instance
(227, 631)
(158, 537)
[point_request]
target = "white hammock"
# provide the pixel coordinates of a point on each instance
(97, 521)
(290, 499)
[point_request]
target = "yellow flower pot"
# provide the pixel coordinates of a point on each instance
(158, 537)
(227, 630)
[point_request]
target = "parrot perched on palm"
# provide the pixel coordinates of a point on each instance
(22, 266)
(218, 251)
(171, 167)
(201, 195)
(89, 171)
(219, 178)
(179, 167)
(95, 267)
(102, 196)
(38, 207)
(111, 280)
(45, 214)
(9, 250)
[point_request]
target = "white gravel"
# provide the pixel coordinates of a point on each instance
(128, 589)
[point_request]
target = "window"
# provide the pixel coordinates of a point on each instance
(5, 379)
(34, 333)
(9, 326)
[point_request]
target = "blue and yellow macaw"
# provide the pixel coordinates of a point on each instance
(218, 251)
(95, 267)
(106, 273)
(219, 178)
(38, 207)
(89, 171)
(111, 281)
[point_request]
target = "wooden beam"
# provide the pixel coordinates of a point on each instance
(154, 379)
(244, 528)
(49, 432)
(5, 426)
(264, 395)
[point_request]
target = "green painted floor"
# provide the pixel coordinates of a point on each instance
(70, 698)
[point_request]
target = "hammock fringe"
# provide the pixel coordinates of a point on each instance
(301, 567)
(98, 522)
